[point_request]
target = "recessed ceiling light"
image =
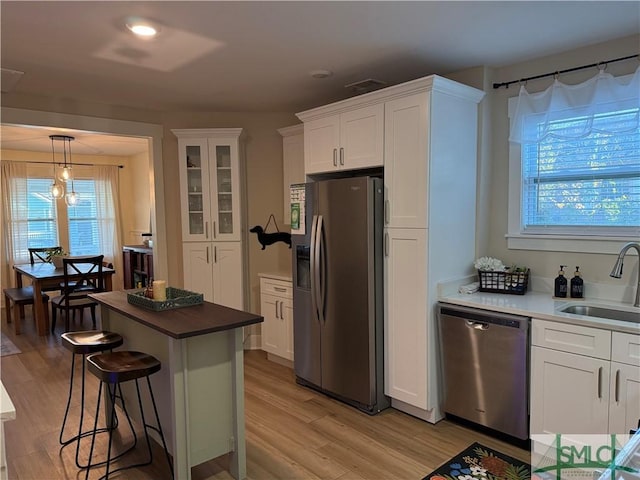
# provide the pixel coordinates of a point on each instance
(320, 73)
(142, 28)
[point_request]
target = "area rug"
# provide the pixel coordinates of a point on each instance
(478, 462)
(7, 347)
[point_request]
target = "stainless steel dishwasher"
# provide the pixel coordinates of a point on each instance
(485, 360)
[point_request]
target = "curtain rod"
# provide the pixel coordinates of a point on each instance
(506, 84)
(72, 164)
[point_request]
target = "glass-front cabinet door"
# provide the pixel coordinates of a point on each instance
(195, 189)
(210, 192)
(223, 157)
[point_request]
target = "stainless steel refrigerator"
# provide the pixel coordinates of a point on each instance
(337, 296)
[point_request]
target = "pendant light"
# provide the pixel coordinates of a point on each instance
(71, 198)
(56, 190)
(66, 172)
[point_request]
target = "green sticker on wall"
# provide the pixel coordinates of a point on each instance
(295, 216)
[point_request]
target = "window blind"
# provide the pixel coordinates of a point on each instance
(83, 222)
(42, 228)
(583, 184)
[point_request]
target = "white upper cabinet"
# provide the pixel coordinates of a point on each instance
(406, 166)
(210, 184)
(346, 141)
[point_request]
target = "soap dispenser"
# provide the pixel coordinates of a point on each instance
(560, 289)
(577, 285)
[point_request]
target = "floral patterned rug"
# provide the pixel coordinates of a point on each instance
(478, 462)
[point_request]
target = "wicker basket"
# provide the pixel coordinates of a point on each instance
(176, 298)
(514, 283)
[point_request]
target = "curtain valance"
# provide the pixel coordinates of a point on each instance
(569, 112)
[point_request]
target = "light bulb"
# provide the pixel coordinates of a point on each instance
(56, 190)
(71, 198)
(66, 174)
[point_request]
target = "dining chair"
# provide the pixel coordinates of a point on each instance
(89, 278)
(42, 254)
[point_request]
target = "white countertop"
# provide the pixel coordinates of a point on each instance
(543, 306)
(284, 276)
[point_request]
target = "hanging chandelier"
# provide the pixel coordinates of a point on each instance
(57, 189)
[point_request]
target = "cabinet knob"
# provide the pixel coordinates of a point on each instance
(341, 155)
(335, 157)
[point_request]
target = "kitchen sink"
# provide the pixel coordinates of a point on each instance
(602, 312)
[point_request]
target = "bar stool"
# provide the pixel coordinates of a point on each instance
(113, 369)
(83, 343)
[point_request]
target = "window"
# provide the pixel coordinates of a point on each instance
(52, 223)
(83, 220)
(583, 186)
(575, 177)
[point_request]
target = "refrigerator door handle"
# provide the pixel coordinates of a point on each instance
(322, 274)
(313, 267)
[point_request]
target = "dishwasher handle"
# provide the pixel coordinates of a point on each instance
(484, 316)
(477, 325)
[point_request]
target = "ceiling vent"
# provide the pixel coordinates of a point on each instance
(9, 79)
(364, 86)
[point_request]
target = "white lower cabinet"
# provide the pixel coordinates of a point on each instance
(216, 270)
(276, 306)
(569, 393)
(573, 393)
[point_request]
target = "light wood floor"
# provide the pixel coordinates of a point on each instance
(292, 432)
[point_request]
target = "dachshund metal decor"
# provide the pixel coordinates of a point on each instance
(270, 238)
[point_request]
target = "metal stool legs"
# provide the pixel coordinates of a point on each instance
(83, 343)
(113, 371)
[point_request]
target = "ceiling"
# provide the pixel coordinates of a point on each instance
(257, 56)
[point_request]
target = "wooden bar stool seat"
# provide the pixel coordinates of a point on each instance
(84, 343)
(21, 297)
(113, 369)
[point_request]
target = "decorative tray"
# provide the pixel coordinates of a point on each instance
(176, 298)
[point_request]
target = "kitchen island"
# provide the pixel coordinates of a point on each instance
(200, 388)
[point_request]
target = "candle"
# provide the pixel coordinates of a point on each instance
(159, 290)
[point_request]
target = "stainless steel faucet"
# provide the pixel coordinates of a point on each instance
(617, 268)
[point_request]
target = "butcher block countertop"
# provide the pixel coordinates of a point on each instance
(180, 322)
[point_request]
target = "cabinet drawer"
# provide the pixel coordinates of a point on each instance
(278, 288)
(625, 348)
(572, 338)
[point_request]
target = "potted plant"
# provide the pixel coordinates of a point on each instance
(56, 257)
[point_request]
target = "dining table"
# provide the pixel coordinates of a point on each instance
(45, 275)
